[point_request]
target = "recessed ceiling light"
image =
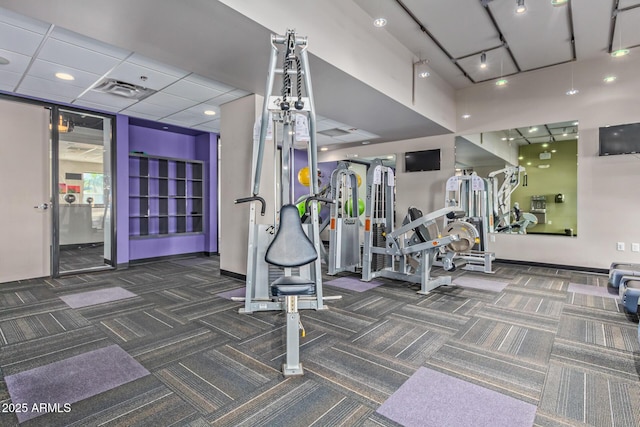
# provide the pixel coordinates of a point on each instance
(572, 92)
(466, 116)
(520, 7)
(504, 139)
(533, 129)
(390, 157)
(366, 142)
(557, 3)
(355, 155)
(521, 158)
(3, 60)
(545, 145)
(324, 148)
(210, 113)
(609, 79)
(620, 52)
(528, 163)
(511, 139)
(554, 151)
(502, 82)
(65, 76)
(483, 60)
(379, 22)
(424, 74)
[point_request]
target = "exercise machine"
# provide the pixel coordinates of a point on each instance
(469, 194)
(406, 253)
(502, 183)
(344, 229)
(283, 268)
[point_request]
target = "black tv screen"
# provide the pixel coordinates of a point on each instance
(419, 161)
(620, 139)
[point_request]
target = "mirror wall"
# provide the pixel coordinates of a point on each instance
(547, 189)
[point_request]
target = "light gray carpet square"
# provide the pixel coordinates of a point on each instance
(100, 296)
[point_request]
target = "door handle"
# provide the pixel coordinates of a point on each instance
(43, 206)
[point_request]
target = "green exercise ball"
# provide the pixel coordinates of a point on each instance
(301, 208)
(350, 207)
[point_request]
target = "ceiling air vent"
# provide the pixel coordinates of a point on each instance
(124, 89)
(334, 132)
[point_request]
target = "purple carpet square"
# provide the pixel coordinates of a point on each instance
(596, 291)
(72, 380)
(430, 398)
(100, 296)
(234, 293)
(353, 284)
(484, 284)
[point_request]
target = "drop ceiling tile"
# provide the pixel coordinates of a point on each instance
(193, 91)
(212, 126)
(181, 123)
(95, 106)
(352, 137)
(366, 134)
(151, 109)
(229, 96)
(47, 70)
(324, 140)
(163, 99)
(201, 108)
(6, 88)
(113, 101)
(19, 40)
(18, 63)
(44, 95)
(131, 73)
(187, 118)
(44, 87)
(140, 115)
(73, 56)
(22, 21)
(156, 65)
(79, 40)
(9, 79)
(627, 3)
(214, 84)
(328, 124)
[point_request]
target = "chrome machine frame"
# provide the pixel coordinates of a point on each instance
(344, 227)
(291, 114)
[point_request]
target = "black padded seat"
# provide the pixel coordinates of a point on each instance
(291, 247)
(421, 231)
(292, 285)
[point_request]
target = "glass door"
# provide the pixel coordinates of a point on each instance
(82, 163)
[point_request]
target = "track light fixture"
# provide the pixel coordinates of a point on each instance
(520, 7)
(483, 60)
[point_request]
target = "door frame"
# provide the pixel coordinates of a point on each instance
(54, 179)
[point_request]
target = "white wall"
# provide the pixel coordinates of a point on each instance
(608, 191)
(236, 151)
(342, 34)
(424, 190)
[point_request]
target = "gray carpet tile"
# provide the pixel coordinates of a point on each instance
(211, 365)
(582, 396)
(504, 373)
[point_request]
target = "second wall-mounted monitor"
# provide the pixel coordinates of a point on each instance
(420, 161)
(621, 139)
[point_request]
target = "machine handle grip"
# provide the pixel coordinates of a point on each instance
(319, 199)
(252, 199)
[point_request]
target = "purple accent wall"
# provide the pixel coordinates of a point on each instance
(157, 142)
(206, 147)
(122, 188)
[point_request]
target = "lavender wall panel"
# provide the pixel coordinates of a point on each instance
(161, 143)
(122, 188)
(166, 246)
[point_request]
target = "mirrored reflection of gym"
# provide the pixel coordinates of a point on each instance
(529, 174)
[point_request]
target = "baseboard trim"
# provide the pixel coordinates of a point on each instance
(557, 266)
(165, 258)
(233, 274)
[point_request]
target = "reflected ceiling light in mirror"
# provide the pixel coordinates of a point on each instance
(483, 60)
(379, 22)
(609, 79)
(619, 53)
(210, 113)
(521, 158)
(65, 76)
(545, 145)
(520, 7)
(502, 82)
(528, 163)
(554, 151)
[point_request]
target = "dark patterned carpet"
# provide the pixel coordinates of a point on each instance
(574, 356)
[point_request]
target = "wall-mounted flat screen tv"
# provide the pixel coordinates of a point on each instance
(420, 161)
(620, 139)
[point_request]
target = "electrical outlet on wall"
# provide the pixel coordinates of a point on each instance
(620, 246)
(635, 247)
